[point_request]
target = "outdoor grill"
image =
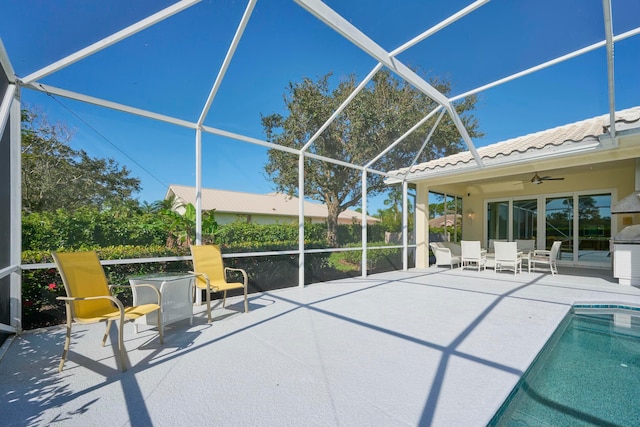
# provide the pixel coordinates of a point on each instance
(625, 246)
(626, 255)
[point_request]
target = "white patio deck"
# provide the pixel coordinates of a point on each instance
(426, 347)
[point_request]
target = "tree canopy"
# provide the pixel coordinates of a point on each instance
(56, 176)
(379, 115)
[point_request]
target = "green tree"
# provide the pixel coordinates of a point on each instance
(55, 176)
(378, 116)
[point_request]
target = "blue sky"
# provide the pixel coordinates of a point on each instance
(170, 68)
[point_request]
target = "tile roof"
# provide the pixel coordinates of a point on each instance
(257, 204)
(570, 135)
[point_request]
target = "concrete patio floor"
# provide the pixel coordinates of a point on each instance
(425, 347)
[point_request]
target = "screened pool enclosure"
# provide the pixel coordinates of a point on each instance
(331, 17)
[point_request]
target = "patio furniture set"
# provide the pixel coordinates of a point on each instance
(158, 299)
(501, 255)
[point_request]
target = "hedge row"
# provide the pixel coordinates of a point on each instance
(40, 287)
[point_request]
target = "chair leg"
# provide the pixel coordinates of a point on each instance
(208, 305)
(224, 299)
(106, 332)
(123, 366)
(161, 326)
(67, 339)
(246, 303)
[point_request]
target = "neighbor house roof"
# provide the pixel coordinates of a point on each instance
(444, 220)
(574, 136)
(257, 204)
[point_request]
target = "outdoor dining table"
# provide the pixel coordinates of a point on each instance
(176, 290)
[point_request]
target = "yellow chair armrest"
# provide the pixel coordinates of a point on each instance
(206, 278)
(244, 273)
(115, 300)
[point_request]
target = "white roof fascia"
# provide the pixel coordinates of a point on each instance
(112, 39)
(227, 60)
(514, 158)
(109, 104)
(6, 64)
(431, 31)
(608, 30)
(557, 60)
(342, 106)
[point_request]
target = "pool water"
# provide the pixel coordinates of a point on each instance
(588, 374)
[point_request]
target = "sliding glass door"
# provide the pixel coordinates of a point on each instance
(582, 222)
(559, 224)
(594, 228)
(525, 219)
(497, 221)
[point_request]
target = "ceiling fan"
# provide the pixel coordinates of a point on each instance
(539, 179)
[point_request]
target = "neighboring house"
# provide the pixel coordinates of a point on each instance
(565, 183)
(272, 208)
(444, 220)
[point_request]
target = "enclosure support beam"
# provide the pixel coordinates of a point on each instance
(363, 264)
(205, 110)
(547, 64)
(112, 39)
(431, 31)
(301, 220)
(227, 60)
(361, 40)
(608, 31)
(198, 205)
(16, 212)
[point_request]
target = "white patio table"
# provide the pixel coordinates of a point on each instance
(176, 290)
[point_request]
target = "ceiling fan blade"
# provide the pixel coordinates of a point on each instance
(548, 178)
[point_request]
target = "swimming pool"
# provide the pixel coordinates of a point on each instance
(588, 374)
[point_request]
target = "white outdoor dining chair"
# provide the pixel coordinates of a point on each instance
(473, 255)
(507, 255)
(444, 255)
(546, 257)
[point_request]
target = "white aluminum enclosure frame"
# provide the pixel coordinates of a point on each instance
(343, 27)
(10, 117)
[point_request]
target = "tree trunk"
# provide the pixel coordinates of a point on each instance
(332, 224)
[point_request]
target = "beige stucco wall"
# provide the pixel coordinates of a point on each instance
(612, 175)
(226, 218)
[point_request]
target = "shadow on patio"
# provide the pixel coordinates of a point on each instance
(424, 347)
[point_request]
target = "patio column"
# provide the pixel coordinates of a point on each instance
(422, 226)
(405, 227)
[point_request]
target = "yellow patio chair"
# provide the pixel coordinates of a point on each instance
(89, 298)
(211, 275)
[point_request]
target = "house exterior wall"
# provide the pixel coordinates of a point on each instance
(616, 177)
(229, 217)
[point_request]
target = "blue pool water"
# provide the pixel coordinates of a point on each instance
(588, 374)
